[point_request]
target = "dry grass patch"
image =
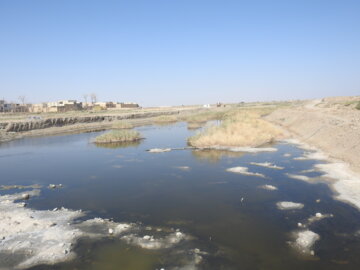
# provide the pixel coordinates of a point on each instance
(203, 117)
(165, 119)
(122, 125)
(242, 127)
(118, 136)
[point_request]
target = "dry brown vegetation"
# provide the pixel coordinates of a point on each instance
(117, 136)
(203, 117)
(240, 127)
(122, 125)
(165, 119)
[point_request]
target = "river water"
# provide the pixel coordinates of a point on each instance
(230, 221)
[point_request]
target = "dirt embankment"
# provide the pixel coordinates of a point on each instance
(10, 130)
(329, 124)
(59, 122)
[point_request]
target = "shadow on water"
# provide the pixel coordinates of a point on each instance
(227, 215)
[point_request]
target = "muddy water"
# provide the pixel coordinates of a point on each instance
(234, 223)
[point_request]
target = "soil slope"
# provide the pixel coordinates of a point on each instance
(330, 124)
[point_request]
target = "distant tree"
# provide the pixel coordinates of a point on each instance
(86, 98)
(93, 98)
(22, 100)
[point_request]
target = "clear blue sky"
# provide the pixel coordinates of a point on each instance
(179, 51)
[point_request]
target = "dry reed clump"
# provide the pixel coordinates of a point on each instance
(122, 125)
(240, 128)
(164, 119)
(117, 136)
(203, 117)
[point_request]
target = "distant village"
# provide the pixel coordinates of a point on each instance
(62, 106)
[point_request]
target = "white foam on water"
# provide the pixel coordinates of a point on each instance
(268, 187)
(244, 171)
(151, 242)
(313, 156)
(318, 217)
(183, 168)
(305, 240)
(159, 150)
(289, 205)
(298, 177)
(31, 237)
(343, 180)
(347, 185)
(244, 149)
(267, 165)
(41, 236)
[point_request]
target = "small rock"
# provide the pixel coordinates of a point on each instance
(53, 224)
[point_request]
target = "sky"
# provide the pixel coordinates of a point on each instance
(173, 52)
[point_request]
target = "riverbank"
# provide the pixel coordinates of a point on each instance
(327, 124)
(329, 130)
(14, 128)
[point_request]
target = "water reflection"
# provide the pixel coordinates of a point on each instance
(119, 144)
(194, 125)
(214, 156)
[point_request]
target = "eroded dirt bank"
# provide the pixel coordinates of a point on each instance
(327, 124)
(10, 130)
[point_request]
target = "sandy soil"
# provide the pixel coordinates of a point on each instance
(329, 124)
(329, 129)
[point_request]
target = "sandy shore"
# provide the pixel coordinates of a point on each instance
(326, 124)
(330, 131)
